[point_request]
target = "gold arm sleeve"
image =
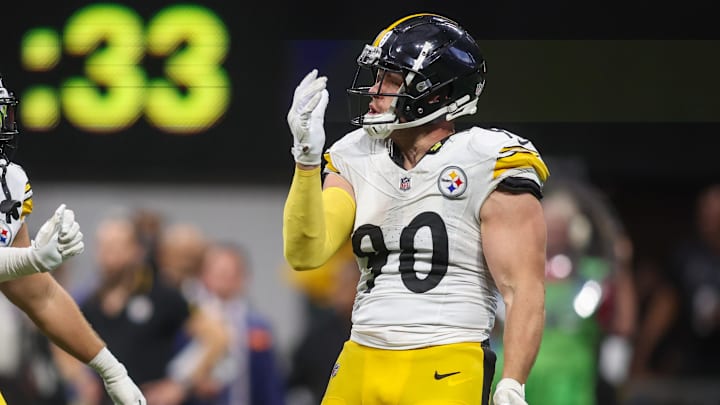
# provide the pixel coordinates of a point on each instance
(316, 222)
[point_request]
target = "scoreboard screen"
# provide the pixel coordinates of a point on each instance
(198, 91)
(144, 90)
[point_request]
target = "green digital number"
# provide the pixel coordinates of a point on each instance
(196, 91)
(40, 108)
(109, 97)
(114, 91)
(41, 51)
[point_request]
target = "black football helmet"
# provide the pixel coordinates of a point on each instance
(442, 67)
(8, 126)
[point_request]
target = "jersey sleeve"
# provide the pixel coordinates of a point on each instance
(509, 163)
(329, 164)
(335, 159)
(518, 166)
(520, 161)
(20, 189)
(27, 205)
(333, 162)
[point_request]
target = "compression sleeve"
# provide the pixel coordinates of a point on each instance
(316, 222)
(16, 262)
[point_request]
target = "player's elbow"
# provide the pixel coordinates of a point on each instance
(301, 261)
(302, 266)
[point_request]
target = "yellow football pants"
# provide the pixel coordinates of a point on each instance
(454, 374)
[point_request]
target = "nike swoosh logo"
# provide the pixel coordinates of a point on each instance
(441, 376)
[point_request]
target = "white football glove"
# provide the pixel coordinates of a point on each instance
(307, 117)
(123, 391)
(58, 239)
(119, 386)
(509, 392)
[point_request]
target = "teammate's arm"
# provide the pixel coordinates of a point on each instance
(58, 239)
(56, 314)
(513, 240)
(52, 309)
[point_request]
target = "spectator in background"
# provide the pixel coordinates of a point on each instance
(590, 299)
(679, 337)
(179, 252)
(149, 224)
(249, 373)
(141, 319)
(326, 332)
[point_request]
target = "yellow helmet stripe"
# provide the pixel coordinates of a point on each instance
(382, 33)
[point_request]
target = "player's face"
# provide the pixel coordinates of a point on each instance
(385, 83)
(223, 274)
(117, 250)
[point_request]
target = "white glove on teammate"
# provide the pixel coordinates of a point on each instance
(307, 117)
(58, 239)
(509, 392)
(119, 386)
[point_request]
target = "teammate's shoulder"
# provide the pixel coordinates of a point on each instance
(15, 170)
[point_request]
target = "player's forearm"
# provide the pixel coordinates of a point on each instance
(316, 223)
(56, 314)
(524, 323)
(16, 262)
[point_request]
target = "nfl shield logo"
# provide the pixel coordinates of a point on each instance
(405, 183)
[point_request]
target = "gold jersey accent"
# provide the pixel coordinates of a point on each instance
(518, 157)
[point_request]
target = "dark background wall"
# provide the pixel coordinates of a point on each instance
(627, 90)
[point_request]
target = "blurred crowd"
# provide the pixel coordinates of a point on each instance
(173, 304)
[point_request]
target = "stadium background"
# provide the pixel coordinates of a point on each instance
(629, 93)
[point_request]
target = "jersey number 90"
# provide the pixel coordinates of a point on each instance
(378, 257)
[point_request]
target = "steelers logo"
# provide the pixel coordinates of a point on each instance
(6, 235)
(452, 182)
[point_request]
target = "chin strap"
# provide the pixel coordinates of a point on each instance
(457, 108)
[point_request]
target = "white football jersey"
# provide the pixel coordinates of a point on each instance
(21, 194)
(416, 236)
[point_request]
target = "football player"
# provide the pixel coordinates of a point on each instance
(439, 221)
(24, 267)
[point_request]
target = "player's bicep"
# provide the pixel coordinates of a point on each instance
(335, 180)
(30, 293)
(513, 239)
